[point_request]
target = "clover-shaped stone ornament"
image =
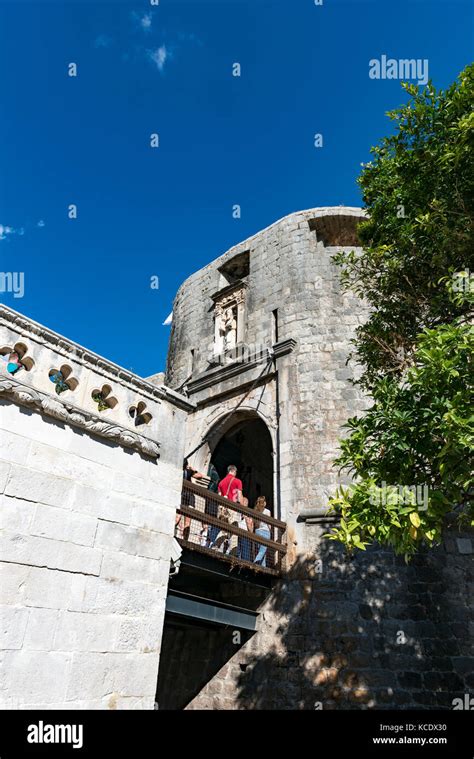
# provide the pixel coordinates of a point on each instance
(139, 414)
(16, 359)
(62, 379)
(103, 398)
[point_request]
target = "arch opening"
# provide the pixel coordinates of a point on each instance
(247, 443)
(206, 637)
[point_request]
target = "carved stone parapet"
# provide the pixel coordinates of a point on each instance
(25, 395)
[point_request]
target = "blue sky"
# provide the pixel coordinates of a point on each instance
(223, 140)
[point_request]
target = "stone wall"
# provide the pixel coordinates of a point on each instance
(305, 396)
(325, 638)
(88, 505)
(190, 658)
(361, 633)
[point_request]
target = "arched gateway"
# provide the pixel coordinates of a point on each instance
(244, 439)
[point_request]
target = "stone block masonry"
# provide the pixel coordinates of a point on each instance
(88, 500)
(292, 294)
(364, 632)
(91, 474)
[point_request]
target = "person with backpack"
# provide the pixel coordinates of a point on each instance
(231, 488)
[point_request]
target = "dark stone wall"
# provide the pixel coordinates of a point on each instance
(366, 632)
(191, 654)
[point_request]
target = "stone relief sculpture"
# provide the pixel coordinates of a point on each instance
(66, 412)
(229, 316)
(228, 328)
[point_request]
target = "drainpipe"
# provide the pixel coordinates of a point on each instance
(271, 354)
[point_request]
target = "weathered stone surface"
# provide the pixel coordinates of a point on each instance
(119, 566)
(76, 631)
(54, 554)
(135, 541)
(363, 632)
(53, 523)
(89, 519)
(102, 674)
(4, 472)
(41, 629)
(16, 515)
(13, 623)
(121, 597)
(39, 487)
(395, 662)
(35, 676)
(50, 589)
(88, 526)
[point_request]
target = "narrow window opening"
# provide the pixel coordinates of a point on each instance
(274, 326)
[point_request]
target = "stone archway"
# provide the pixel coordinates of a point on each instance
(197, 641)
(247, 443)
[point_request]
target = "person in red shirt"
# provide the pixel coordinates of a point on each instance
(231, 487)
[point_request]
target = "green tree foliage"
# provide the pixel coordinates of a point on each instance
(416, 273)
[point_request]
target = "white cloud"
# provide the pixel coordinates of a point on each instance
(159, 56)
(145, 21)
(142, 21)
(5, 231)
(168, 320)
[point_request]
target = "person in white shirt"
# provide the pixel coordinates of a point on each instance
(262, 529)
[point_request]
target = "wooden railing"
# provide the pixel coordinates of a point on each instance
(211, 524)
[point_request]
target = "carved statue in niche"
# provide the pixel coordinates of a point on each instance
(228, 328)
(228, 322)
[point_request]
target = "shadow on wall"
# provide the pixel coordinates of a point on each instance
(191, 654)
(362, 632)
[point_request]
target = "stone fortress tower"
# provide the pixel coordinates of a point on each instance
(106, 606)
(266, 326)
(259, 345)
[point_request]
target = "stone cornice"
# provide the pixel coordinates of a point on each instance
(223, 373)
(229, 290)
(282, 347)
(89, 359)
(25, 395)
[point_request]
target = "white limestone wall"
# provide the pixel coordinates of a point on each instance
(87, 534)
